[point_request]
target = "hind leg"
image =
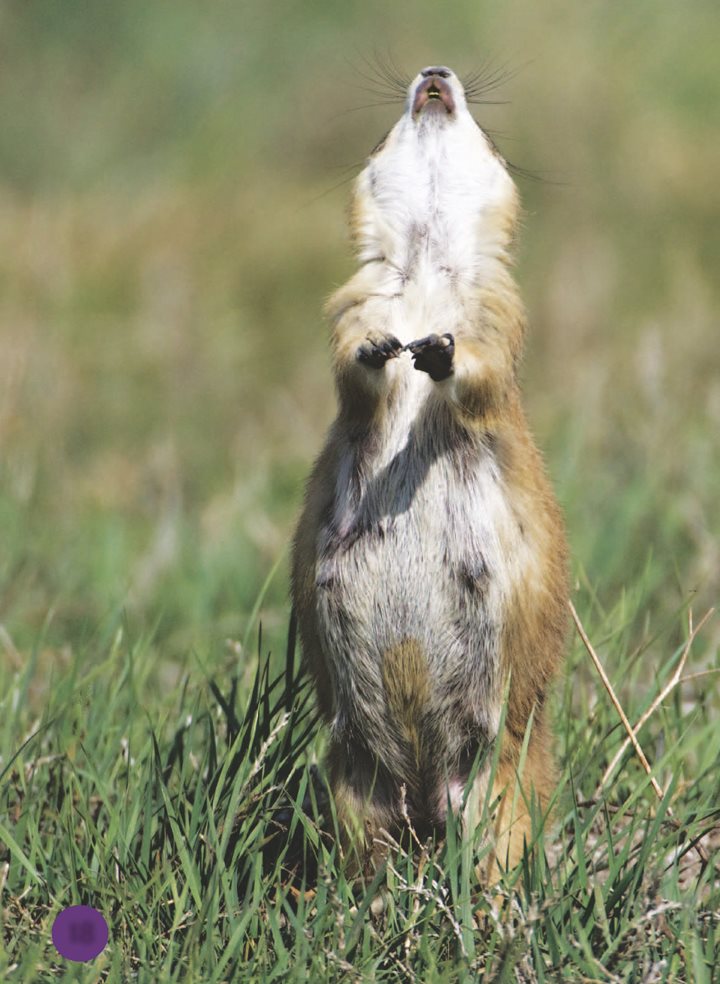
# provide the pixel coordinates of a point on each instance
(365, 812)
(511, 798)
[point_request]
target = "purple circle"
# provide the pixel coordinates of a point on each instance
(79, 933)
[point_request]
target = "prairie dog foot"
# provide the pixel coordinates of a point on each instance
(434, 355)
(379, 347)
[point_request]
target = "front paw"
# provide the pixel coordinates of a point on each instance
(434, 355)
(378, 348)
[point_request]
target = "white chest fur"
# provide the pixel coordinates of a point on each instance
(425, 197)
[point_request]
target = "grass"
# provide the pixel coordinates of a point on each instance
(169, 232)
(185, 827)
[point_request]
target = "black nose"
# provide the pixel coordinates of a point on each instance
(443, 72)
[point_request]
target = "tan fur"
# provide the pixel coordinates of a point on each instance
(429, 563)
(407, 689)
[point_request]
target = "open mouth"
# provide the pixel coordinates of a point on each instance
(433, 91)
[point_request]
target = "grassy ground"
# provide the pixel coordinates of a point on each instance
(183, 826)
(168, 231)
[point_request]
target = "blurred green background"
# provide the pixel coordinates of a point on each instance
(172, 217)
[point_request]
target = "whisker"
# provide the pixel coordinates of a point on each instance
(537, 176)
(499, 135)
(482, 77)
(473, 77)
(356, 109)
(491, 77)
(476, 101)
(386, 72)
(500, 76)
(376, 70)
(380, 93)
(402, 78)
(488, 69)
(373, 80)
(328, 191)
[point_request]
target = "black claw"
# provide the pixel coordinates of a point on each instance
(434, 355)
(376, 351)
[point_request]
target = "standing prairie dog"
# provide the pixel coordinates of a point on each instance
(429, 563)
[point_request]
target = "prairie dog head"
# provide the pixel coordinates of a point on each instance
(435, 189)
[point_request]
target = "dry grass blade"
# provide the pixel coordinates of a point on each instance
(632, 736)
(613, 697)
(676, 679)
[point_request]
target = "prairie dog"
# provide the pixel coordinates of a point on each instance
(430, 563)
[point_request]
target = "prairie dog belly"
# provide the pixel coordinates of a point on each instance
(420, 551)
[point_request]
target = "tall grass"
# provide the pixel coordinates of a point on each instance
(205, 835)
